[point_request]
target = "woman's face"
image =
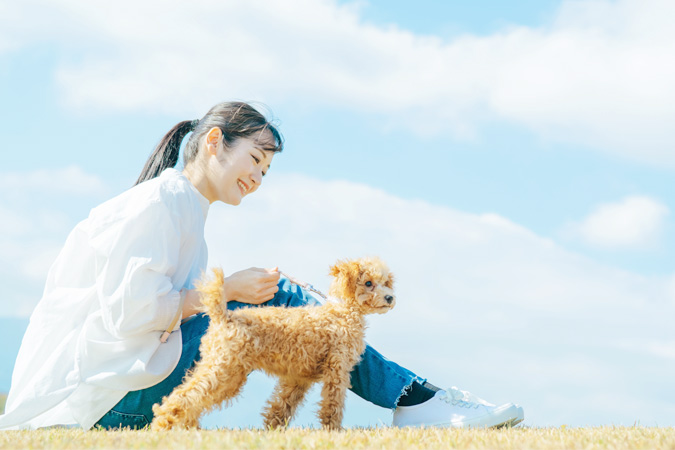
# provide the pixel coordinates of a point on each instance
(236, 171)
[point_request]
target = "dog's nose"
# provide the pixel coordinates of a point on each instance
(389, 298)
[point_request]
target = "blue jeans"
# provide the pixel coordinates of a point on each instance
(375, 378)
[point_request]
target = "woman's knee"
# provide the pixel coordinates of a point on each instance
(292, 295)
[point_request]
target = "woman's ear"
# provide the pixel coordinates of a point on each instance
(213, 139)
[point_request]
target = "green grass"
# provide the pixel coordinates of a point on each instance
(374, 438)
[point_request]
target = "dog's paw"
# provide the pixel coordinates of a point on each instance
(161, 423)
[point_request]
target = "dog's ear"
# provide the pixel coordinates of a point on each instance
(390, 281)
(346, 275)
(335, 269)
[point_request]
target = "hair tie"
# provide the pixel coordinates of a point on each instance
(194, 124)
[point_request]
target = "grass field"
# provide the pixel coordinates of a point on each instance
(374, 438)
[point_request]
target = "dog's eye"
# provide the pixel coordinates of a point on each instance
(369, 283)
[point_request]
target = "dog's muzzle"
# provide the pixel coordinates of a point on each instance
(389, 298)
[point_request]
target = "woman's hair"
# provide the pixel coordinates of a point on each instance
(235, 119)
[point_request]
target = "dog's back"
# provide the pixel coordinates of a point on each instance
(288, 342)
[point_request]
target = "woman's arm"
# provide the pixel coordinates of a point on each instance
(192, 303)
(135, 253)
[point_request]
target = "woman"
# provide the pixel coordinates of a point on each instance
(105, 341)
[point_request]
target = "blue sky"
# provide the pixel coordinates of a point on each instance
(512, 162)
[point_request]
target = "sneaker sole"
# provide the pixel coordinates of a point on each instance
(511, 423)
(507, 416)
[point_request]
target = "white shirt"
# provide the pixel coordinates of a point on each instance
(112, 291)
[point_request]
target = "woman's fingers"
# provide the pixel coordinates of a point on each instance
(269, 294)
(268, 277)
(265, 294)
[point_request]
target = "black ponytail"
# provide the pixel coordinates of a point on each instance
(236, 120)
(166, 152)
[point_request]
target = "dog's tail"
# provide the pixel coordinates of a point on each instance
(213, 302)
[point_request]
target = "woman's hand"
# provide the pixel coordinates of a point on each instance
(254, 285)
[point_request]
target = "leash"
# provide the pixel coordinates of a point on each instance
(304, 285)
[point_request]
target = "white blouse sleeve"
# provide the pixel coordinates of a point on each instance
(136, 254)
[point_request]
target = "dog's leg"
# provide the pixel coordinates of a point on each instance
(230, 383)
(183, 407)
(336, 382)
(283, 404)
(207, 386)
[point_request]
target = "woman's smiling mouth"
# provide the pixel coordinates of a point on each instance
(243, 187)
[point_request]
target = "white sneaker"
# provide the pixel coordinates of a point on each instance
(458, 409)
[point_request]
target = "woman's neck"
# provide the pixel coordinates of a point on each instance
(199, 180)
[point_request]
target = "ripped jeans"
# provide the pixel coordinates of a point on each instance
(375, 378)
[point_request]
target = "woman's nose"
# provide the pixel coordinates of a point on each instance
(256, 178)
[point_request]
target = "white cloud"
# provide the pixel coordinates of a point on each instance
(670, 289)
(657, 347)
(635, 221)
(12, 222)
(599, 74)
(70, 180)
(662, 349)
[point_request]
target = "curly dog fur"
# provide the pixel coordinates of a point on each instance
(300, 346)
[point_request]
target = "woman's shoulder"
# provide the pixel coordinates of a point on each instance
(171, 192)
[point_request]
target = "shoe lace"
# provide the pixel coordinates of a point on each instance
(463, 399)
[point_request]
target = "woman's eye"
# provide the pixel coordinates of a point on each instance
(257, 160)
(369, 283)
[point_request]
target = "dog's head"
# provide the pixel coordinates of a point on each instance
(365, 282)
